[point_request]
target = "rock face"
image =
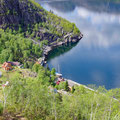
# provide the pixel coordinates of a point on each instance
(19, 12)
(40, 24)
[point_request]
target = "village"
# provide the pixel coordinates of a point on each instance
(9, 68)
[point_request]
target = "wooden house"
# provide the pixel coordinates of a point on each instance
(7, 66)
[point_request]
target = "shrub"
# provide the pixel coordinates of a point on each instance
(1, 109)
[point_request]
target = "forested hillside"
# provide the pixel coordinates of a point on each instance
(32, 94)
(27, 19)
(30, 18)
(34, 98)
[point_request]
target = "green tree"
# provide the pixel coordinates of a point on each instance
(37, 68)
(11, 57)
(66, 86)
(26, 65)
(1, 109)
(53, 76)
(20, 29)
(53, 71)
(73, 89)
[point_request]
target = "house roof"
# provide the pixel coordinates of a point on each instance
(58, 82)
(60, 79)
(6, 64)
(11, 63)
(14, 63)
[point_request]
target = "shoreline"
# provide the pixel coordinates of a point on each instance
(47, 49)
(73, 83)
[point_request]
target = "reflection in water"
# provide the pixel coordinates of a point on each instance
(95, 60)
(109, 6)
(63, 6)
(102, 29)
(61, 50)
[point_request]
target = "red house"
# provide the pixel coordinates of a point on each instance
(59, 80)
(7, 66)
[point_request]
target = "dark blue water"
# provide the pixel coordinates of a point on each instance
(96, 58)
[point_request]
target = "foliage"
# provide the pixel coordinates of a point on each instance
(37, 68)
(66, 86)
(16, 48)
(32, 98)
(53, 71)
(73, 89)
(53, 76)
(60, 86)
(62, 23)
(115, 93)
(50, 26)
(63, 85)
(1, 109)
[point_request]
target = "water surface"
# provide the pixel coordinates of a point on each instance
(96, 58)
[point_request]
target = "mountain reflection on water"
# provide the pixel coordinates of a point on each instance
(111, 6)
(95, 59)
(61, 50)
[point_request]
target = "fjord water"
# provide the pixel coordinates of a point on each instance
(96, 58)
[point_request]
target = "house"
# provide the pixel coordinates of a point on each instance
(7, 66)
(59, 80)
(15, 63)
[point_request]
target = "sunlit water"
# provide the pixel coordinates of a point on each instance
(96, 58)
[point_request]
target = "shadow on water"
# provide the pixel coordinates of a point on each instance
(61, 50)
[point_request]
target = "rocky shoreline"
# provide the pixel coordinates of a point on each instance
(68, 39)
(48, 48)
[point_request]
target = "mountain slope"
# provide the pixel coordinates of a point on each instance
(15, 12)
(27, 19)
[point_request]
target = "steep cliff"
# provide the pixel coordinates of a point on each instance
(16, 12)
(29, 18)
(28, 32)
